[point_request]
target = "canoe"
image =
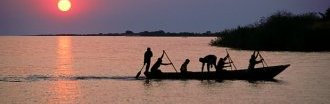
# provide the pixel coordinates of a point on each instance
(263, 73)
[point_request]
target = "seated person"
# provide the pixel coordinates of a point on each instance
(253, 60)
(183, 68)
(221, 64)
(155, 68)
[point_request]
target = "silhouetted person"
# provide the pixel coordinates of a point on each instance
(209, 60)
(155, 68)
(147, 59)
(253, 60)
(221, 64)
(183, 68)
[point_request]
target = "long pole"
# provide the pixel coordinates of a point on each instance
(232, 63)
(170, 61)
(230, 60)
(263, 60)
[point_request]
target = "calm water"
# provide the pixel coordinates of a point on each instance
(101, 70)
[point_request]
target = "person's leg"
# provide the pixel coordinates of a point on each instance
(215, 66)
(147, 66)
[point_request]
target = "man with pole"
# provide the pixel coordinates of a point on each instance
(253, 60)
(147, 59)
(155, 68)
(221, 63)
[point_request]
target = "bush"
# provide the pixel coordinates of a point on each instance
(282, 31)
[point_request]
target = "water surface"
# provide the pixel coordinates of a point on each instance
(95, 69)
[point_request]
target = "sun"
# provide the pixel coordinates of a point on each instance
(64, 5)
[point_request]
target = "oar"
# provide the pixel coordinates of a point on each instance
(230, 60)
(170, 61)
(139, 73)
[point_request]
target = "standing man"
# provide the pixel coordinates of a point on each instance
(147, 59)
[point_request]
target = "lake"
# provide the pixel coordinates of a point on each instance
(101, 70)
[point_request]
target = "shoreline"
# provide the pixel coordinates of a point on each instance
(124, 35)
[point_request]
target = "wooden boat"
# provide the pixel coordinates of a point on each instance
(263, 73)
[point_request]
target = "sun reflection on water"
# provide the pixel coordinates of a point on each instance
(64, 56)
(64, 90)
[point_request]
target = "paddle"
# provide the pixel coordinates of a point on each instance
(139, 73)
(170, 61)
(230, 60)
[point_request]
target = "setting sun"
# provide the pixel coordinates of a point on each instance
(64, 5)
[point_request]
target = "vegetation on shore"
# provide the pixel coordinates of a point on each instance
(282, 31)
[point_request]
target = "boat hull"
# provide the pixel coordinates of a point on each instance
(263, 73)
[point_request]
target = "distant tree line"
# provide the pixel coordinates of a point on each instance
(143, 33)
(282, 31)
(163, 33)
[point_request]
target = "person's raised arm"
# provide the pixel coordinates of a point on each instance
(227, 56)
(166, 63)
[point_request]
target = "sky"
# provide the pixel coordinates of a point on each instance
(20, 17)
